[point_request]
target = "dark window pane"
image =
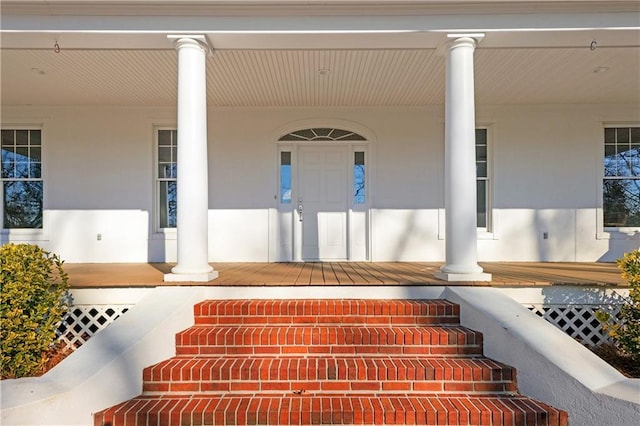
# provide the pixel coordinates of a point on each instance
(481, 203)
(285, 158)
(23, 204)
(621, 202)
(610, 135)
(358, 158)
(164, 154)
(322, 132)
(306, 134)
(35, 153)
(36, 137)
(22, 152)
(481, 136)
(165, 138)
(7, 137)
(22, 137)
(623, 134)
(481, 169)
(481, 153)
(635, 135)
(609, 150)
(168, 204)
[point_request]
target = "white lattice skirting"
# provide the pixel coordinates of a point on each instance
(84, 321)
(578, 321)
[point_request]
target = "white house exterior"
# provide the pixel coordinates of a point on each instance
(454, 131)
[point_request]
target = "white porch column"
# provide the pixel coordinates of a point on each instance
(460, 164)
(193, 203)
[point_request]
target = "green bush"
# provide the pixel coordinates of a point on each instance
(33, 300)
(626, 331)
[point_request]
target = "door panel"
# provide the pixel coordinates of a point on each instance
(322, 191)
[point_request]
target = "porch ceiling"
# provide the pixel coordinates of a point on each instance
(320, 70)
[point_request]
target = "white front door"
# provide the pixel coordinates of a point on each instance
(323, 202)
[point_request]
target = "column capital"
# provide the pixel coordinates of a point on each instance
(454, 40)
(464, 40)
(190, 40)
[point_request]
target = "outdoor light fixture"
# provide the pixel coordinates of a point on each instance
(593, 45)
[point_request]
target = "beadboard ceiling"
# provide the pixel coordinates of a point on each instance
(362, 74)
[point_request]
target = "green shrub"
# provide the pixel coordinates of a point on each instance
(626, 331)
(33, 300)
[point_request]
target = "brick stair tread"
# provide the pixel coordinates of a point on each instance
(201, 374)
(321, 311)
(424, 409)
(350, 335)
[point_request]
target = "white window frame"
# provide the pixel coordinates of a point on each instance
(27, 234)
(166, 233)
(614, 233)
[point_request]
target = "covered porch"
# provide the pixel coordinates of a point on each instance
(504, 274)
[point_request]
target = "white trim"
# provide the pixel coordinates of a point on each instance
(28, 234)
(158, 233)
(610, 233)
(336, 123)
(286, 208)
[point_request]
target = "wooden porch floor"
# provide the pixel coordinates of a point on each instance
(346, 273)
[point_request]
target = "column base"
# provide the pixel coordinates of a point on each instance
(197, 277)
(473, 276)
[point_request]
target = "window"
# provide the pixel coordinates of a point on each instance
(359, 185)
(482, 179)
(621, 182)
(322, 134)
(167, 178)
(285, 177)
(22, 182)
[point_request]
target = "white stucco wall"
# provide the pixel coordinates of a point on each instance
(546, 177)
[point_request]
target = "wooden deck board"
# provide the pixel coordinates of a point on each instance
(522, 274)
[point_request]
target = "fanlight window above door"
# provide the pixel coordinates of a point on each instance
(322, 134)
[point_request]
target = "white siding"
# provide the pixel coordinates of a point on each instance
(546, 177)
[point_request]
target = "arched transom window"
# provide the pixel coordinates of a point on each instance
(322, 134)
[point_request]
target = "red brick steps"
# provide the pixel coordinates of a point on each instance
(316, 374)
(329, 362)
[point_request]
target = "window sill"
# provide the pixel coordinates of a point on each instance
(483, 234)
(619, 234)
(23, 235)
(165, 234)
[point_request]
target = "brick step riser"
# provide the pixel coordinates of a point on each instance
(400, 410)
(333, 386)
(338, 309)
(277, 350)
(300, 335)
(354, 368)
(326, 320)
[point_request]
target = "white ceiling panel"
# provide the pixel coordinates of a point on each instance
(316, 78)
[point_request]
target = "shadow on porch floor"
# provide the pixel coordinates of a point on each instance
(92, 275)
